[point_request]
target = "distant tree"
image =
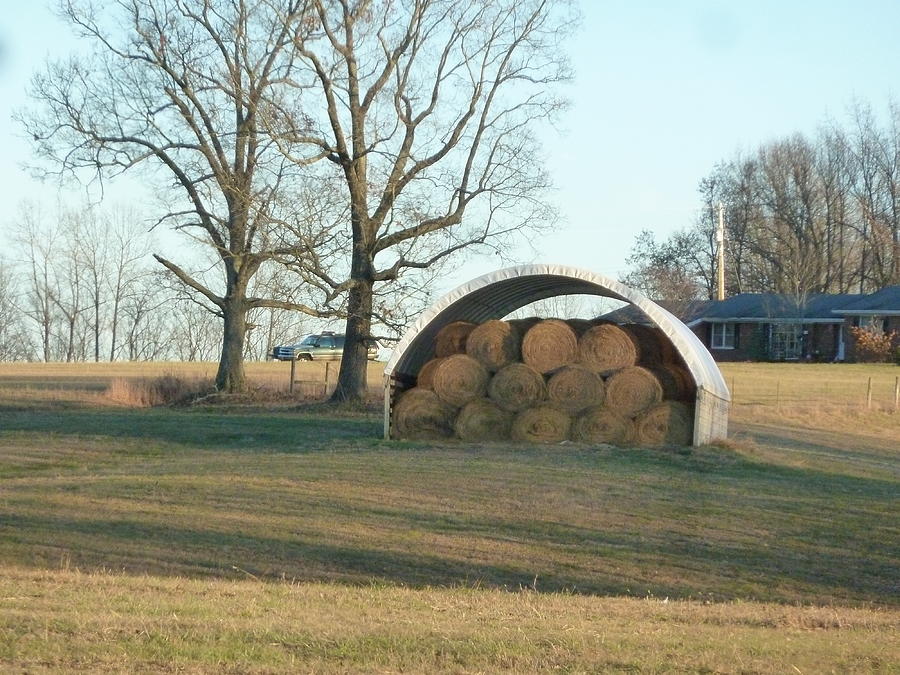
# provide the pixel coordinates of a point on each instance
(670, 271)
(35, 247)
(15, 342)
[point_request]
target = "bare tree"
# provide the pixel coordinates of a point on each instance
(36, 247)
(129, 246)
(15, 343)
(425, 110)
(189, 93)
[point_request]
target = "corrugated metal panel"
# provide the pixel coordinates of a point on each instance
(499, 293)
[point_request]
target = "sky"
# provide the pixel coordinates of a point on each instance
(664, 90)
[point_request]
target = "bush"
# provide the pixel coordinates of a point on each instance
(147, 392)
(874, 346)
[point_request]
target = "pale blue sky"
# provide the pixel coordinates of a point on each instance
(664, 90)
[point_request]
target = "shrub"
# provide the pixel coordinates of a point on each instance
(146, 392)
(875, 346)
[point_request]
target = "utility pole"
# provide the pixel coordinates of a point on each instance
(720, 254)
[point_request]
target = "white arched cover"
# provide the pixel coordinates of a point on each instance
(495, 295)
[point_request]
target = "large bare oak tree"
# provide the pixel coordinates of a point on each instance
(426, 110)
(194, 95)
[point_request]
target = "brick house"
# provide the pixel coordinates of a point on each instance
(773, 327)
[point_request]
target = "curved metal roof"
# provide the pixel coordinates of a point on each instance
(495, 295)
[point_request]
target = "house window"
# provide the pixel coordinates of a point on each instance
(722, 336)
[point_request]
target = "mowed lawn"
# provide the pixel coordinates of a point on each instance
(297, 539)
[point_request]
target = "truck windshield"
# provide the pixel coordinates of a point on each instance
(310, 340)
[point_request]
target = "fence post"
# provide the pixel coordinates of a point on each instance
(293, 370)
(869, 394)
(897, 393)
(327, 376)
(777, 393)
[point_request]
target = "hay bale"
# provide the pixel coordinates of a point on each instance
(451, 339)
(606, 348)
(495, 344)
(574, 388)
(542, 424)
(483, 420)
(654, 347)
(421, 414)
(517, 387)
(666, 423)
(599, 424)
(632, 390)
(677, 383)
(425, 378)
(458, 379)
(549, 345)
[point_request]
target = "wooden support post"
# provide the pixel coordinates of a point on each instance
(869, 394)
(327, 376)
(777, 393)
(293, 370)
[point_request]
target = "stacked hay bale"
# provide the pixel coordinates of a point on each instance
(550, 381)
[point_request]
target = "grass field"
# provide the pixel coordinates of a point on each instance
(290, 537)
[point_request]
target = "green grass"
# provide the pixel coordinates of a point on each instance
(251, 540)
(317, 498)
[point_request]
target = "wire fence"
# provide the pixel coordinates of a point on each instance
(877, 393)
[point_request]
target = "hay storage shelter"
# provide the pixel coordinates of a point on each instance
(496, 295)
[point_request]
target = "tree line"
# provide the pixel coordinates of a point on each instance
(802, 214)
(340, 150)
(80, 284)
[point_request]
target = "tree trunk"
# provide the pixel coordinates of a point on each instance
(352, 383)
(230, 376)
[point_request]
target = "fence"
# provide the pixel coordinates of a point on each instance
(880, 393)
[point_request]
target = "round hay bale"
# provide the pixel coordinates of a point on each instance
(420, 414)
(676, 382)
(606, 348)
(599, 424)
(633, 390)
(653, 346)
(549, 345)
(495, 344)
(426, 374)
(517, 387)
(574, 388)
(687, 386)
(458, 379)
(666, 423)
(483, 420)
(451, 339)
(543, 424)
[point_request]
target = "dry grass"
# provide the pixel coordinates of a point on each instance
(783, 385)
(101, 622)
(121, 383)
(147, 392)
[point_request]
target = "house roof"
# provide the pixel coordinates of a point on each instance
(633, 314)
(884, 302)
(774, 307)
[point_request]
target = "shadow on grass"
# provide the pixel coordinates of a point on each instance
(196, 428)
(708, 523)
(771, 574)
